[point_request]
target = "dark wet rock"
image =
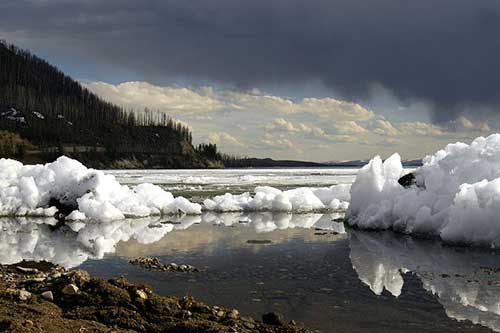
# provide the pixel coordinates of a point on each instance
(259, 241)
(156, 265)
(63, 207)
(408, 180)
(273, 318)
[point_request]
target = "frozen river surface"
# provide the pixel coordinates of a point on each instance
(209, 182)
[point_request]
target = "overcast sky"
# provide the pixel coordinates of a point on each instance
(311, 79)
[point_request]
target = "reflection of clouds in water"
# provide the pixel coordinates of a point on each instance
(459, 277)
(73, 244)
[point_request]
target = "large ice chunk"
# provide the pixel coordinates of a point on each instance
(456, 196)
(29, 189)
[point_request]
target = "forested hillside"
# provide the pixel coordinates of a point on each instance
(45, 113)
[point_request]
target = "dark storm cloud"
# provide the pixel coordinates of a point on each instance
(446, 52)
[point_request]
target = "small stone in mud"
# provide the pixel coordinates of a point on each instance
(24, 295)
(233, 314)
(34, 280)
(70, 289)
(47, 295)
(27, 270)
(259, 241)
(141, 294)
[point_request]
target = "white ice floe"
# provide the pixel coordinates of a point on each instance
(25, 190)
(456, 196)
(271, 199)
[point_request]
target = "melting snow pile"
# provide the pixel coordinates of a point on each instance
(456, 195)
(271, 199)
(28, 189)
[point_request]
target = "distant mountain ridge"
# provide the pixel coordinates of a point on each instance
(360, 163)
(253, 162)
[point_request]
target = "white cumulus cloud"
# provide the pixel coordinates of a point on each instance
(173, 100)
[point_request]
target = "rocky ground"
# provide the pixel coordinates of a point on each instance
(154, 264)
(40, 297)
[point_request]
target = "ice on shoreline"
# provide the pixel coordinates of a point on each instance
(456, 196)
(27, 190)
(271, 199)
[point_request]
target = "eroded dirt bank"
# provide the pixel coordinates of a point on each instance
(40, 297)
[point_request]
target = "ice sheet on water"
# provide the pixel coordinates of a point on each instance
(234, 178)
(456, 198)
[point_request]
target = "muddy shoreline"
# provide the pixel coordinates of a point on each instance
(41, 297)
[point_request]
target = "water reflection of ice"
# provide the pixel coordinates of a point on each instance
(467, 282)
(74, 243)
(71, 245)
